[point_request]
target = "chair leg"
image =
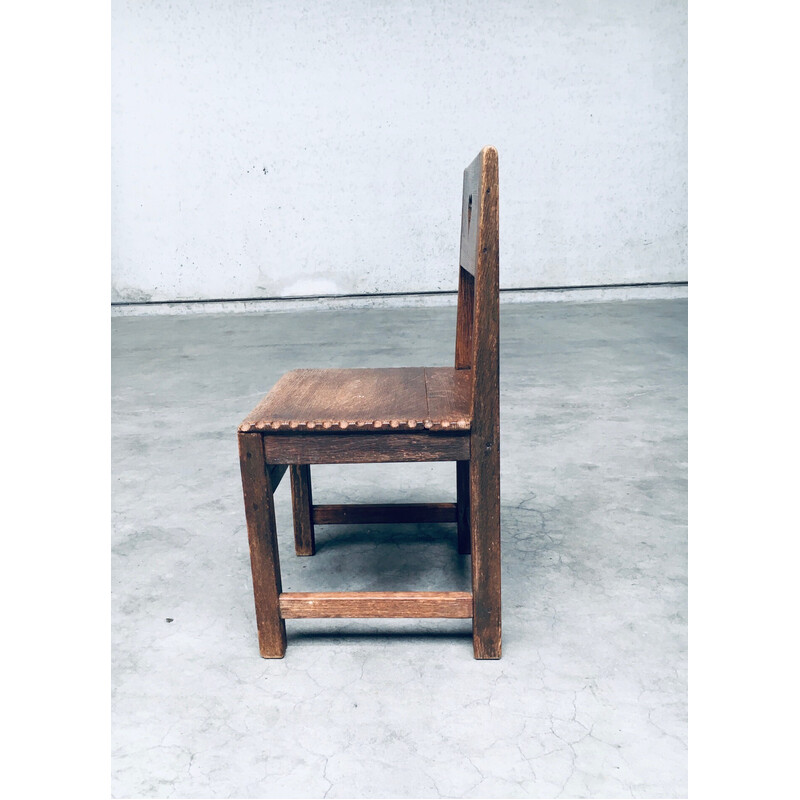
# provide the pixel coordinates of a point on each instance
(484, 476)
(462, 507)
(264, 561)
(300, 475)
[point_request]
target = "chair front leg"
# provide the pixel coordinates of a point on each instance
(300, 475)
(261, 532)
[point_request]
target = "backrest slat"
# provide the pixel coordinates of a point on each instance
(478, 319)
(465, 318)
(470, 212)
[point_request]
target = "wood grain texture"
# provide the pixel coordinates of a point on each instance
(264, 560)
(449, 396)
(485, 433)
(386, 400)
(464, 319)
(364, 605)
(365, 448)
(362, 514)
(304, 543)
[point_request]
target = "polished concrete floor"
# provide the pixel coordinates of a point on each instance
(590, 697)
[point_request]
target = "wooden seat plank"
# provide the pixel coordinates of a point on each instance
(382, 399)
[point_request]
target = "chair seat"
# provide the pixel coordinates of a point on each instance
(386, 399)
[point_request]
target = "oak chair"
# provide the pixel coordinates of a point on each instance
(348, 416)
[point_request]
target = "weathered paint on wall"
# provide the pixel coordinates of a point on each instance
(265, 149)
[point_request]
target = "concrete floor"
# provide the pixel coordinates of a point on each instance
(590, 697)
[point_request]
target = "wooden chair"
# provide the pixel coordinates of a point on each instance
(348, 416)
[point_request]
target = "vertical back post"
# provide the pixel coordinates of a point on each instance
(480, 256)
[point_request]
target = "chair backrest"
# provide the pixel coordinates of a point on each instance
(478, 320)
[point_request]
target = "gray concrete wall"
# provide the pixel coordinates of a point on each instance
(267, 149)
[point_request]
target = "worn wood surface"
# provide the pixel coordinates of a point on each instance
(464, 319)
(304, 544)
(391, 399)
(357, 514)
(484, 471)
(313, 605)
(449, 395)
(365, 448)
(264, 560)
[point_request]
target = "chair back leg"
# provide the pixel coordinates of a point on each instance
(304, 544)
(484, 479)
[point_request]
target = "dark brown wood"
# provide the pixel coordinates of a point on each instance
(363, 605)
(485, 431)
(365, 448)
(386, 400)
(464, 318)
(264, 560)
(389, 513)
(462, 507)
(276, 472)
(304, 544)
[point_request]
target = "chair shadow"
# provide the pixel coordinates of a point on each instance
(370, 566)
(518, 527)
(333, 635)
(384, 536)
(384, 533)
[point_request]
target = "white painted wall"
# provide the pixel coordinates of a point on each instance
(272, 149)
